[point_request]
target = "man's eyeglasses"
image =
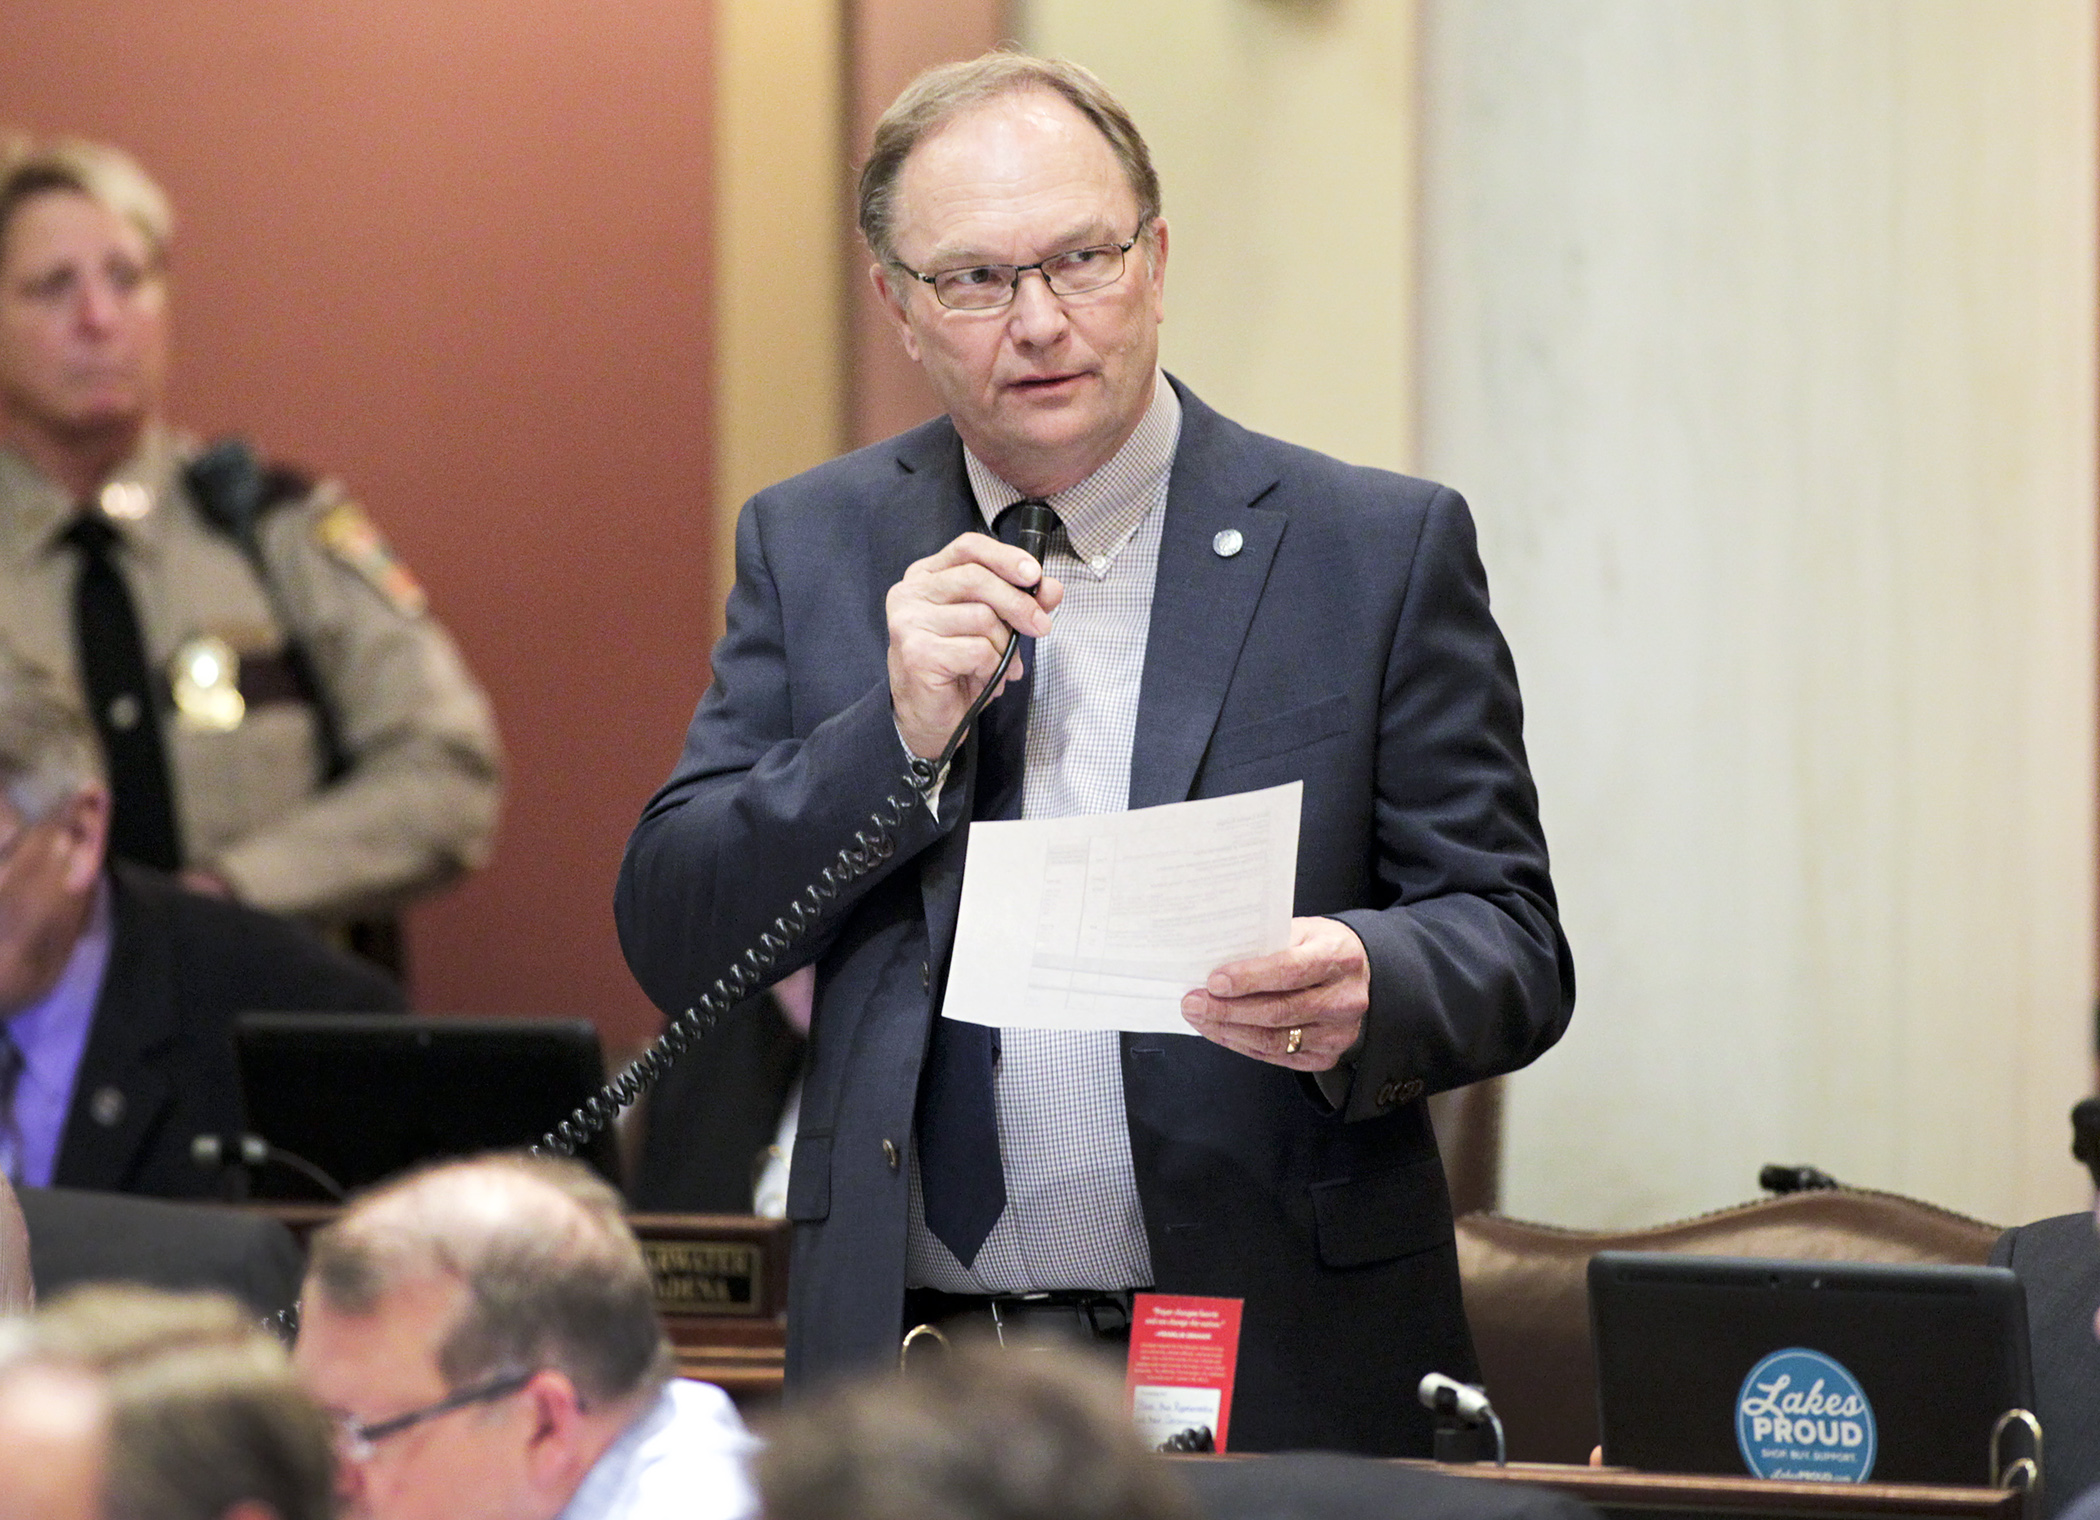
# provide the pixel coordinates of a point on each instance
(358, 1439)
(987, 287)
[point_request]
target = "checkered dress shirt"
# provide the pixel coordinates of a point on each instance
(1072, 1218)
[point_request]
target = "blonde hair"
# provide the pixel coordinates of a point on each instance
(107, 176)
(202, 1410)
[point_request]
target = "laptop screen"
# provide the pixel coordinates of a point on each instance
(1836, 1371)
(361, 1096)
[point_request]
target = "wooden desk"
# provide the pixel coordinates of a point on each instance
(1623, 1492)
(721, 1289)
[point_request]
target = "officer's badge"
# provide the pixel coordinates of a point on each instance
(350, 536)
(205, 678)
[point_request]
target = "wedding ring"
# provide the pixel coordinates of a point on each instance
(1297, 1038)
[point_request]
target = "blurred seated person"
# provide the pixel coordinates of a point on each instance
(2058, 1263)
(179, 1245)
(719, 1131)
(975, 1434)
(284, 721)
(979, 1433)
(127, 1404)
(17, 1281)
(485, 1334)
(118, 987)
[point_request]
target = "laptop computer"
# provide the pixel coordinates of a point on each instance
(362, 1096)
(1832, 1371)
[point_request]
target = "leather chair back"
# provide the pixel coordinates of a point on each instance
(1468, 1124)
(1527, 1291)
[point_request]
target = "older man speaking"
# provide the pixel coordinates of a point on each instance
(1214, 612)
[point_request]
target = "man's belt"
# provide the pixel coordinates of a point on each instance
(1072, 1314)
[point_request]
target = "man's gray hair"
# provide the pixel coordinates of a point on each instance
(941, 94)
(107, 176)
(553, 1274)
(48, 755)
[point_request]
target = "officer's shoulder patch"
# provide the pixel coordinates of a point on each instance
(344, 531)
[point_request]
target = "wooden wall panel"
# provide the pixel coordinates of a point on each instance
(458, 254)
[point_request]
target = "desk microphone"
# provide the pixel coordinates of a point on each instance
(1795, 1179)
(1461, 1409)
(219, 1152)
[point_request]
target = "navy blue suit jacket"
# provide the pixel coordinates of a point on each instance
(2058, 1263)
(1349, 645)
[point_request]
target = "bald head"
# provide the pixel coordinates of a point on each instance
(52, 1434)
(549, 1272)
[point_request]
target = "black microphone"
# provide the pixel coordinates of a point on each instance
(1461, 1410)
(1465, 1402)
(2085, 1135)
(1034, 522)
(1795, 1179)
(211, 1151)
(218, 1152)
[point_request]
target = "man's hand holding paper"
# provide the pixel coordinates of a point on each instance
(1106, 921)
(1320, 986)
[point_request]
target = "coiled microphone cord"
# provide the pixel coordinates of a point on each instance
(752, 970)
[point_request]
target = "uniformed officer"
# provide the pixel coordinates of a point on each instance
(284, 720)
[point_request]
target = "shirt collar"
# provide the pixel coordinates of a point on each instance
(79, 984)
(35, 511)
(597, 1497)
(52, 1035)
(1101, 512)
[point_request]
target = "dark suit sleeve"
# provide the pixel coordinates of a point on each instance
(759, 807)
(234, 958)
(1470, 974)
(2058, 1264)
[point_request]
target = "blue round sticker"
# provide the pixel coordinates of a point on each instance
(1800, 1414)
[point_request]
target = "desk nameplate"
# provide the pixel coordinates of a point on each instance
(715, 1265)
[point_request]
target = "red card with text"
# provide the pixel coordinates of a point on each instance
(1182, 1354)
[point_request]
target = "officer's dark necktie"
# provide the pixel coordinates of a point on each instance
(959, 1167)
(11, 1065)
(119, 689)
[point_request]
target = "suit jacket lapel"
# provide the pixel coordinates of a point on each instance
(122, 1087)
(1203, 601)
(930, 502)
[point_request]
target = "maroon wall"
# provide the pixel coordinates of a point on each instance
(457, 253)
(888, 42)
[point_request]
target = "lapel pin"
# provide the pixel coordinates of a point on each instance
(106, 1107)
(1227, 543)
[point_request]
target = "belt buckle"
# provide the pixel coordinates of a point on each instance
(929, 1333)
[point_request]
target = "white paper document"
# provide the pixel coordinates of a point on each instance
(1106, 921)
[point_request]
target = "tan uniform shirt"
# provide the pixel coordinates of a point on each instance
(418, 803)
